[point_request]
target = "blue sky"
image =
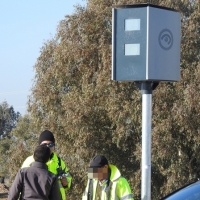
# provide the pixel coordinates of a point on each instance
(24, 27)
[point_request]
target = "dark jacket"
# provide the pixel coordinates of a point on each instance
(35, 182)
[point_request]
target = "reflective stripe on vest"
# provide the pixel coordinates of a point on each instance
(129, 196)
(107, 193)
(113, 190)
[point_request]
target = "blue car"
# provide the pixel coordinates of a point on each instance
(188, 192)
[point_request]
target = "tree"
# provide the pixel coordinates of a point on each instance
(19, 145)
(8, 119)
(74, 97)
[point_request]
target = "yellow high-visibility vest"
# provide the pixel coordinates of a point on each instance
(117, 189)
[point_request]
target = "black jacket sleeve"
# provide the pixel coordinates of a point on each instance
(16, 187)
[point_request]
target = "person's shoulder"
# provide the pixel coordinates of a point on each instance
(122, 181)
(29, 158)
(28, 161)
(23, 170)
(57, 157)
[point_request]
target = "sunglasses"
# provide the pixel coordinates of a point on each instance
(49, 144)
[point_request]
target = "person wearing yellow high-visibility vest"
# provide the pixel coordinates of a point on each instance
(105, 182)
(55, 165)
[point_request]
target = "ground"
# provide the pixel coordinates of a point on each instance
(3, 192)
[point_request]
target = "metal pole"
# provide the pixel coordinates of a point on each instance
(146, 88)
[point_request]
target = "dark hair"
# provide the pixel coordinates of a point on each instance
(41, 153)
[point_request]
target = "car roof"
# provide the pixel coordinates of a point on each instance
(191, 189)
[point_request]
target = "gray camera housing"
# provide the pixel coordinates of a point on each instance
(145, 43)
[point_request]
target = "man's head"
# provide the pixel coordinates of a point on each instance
(98, 168)
(41, 154)
(47, 138)
(46, 135)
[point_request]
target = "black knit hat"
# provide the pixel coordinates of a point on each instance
(46, 135)
(98, 161)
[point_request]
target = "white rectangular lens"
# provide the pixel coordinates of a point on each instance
(132, 49)
(132, 24)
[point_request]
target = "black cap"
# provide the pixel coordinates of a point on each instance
(98, 161)
(46, 135)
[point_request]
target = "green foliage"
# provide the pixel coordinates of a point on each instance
(8, 119)
(16, 144)
(22, 140)
(74, 97)
(4, 146)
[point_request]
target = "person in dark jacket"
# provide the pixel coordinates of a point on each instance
(56, 165)
(36, 182)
